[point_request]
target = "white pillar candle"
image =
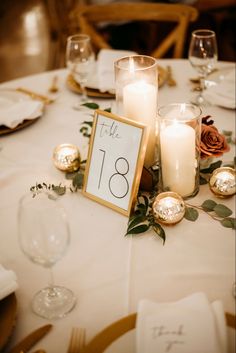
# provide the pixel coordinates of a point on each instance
(178, 158)
(140, 104)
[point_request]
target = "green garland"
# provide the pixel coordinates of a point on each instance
(142, 219)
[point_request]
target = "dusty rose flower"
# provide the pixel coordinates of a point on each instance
(213, 144)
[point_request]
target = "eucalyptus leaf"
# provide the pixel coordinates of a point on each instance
(59, 190)
(212, 167)
(229, 222)
(136, 220)
(159, 231)
(77, 181)
(203, 181)
(209, 205)
(139, 229)
(191, 214)
(91, 105)
(89, 123)
(70, 175)
(222, 210)
(142, 208)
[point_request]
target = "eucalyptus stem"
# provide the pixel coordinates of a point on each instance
(202, 209)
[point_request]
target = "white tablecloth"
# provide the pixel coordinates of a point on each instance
(108, 272)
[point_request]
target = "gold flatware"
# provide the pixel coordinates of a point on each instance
(77, 340)
(170, 79)
(35, 95)
(30, 340)
(54, 85)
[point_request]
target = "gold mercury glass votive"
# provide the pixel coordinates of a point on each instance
(223, 182)
(168, 208)
(66, 157)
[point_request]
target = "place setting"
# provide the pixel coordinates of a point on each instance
(97, 77)
(18, 110)
(216, 85)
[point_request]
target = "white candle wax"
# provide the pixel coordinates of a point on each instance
(178, 158)
(140, 104)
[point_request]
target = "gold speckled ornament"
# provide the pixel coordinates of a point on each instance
(66, 157)
(223, 182)
(168, 208)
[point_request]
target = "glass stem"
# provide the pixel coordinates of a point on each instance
(202, 84)
(52, 293)
(84, 97)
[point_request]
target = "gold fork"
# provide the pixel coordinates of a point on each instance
(54, 86)
(170, 79)
(77, 340)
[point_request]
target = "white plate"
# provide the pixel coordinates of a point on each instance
(17, 109)
(93, 80)
(219, 75)
(221, 88)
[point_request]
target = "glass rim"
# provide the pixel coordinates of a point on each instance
(117, 62)
(78, 37)
(196, 107)
(206, 33)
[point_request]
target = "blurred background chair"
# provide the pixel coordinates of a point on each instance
(158, 29)
(33, 32)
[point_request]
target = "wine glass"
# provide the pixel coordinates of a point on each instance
(203, 57)
(44, 238)
(80, 60)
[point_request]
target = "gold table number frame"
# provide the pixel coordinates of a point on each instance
(115, 160)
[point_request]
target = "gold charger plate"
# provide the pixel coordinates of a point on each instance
(94, 92)
(18, 94)
(7, 130)
(8, 307)
(112, 332)
(91, 92)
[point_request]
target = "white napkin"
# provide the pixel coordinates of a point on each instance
(105, 67)
(13, 115)
(188, 325)
(223, 93)
(8, 282)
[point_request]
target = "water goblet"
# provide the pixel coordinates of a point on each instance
(203, 57)
(80, 61)
(44, 238)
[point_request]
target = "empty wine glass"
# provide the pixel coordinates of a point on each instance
(203, 57)
(44, 238)
(80, 60)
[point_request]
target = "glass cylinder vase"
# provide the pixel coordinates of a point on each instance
(136, 79)
(179, 148)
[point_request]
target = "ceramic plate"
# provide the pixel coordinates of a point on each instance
(93, 91)
(219, 75)
(8, 307)
(8, 97)
(120, 336)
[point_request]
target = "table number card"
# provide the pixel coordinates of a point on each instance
(115, 160)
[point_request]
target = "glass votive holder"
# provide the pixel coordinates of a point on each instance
(66, 157)
(179, 148)
(136, 82)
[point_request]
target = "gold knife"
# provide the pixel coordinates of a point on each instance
(30, 340)
(35, 95)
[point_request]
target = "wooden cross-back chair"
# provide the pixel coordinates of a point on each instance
(89, 17)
